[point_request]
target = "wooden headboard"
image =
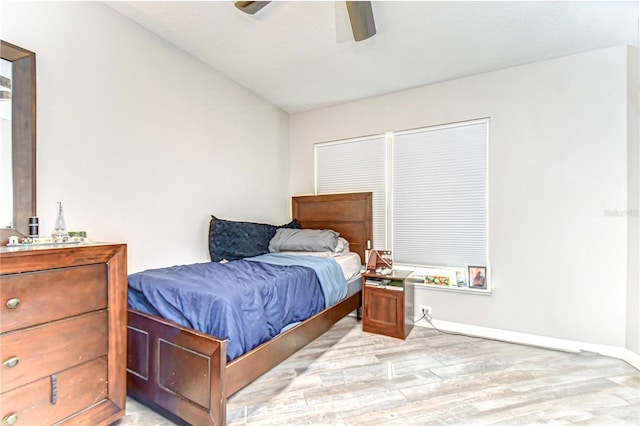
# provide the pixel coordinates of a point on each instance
(348, 214)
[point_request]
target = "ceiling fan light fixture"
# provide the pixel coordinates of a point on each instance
(251, 7)
(361, 17)
(360, 14)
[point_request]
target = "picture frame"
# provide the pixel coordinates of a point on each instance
(478, 277)
(461, 278)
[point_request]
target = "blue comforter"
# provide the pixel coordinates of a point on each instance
(334, 285)
(245, 302)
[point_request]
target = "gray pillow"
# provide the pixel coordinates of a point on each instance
(304, 240)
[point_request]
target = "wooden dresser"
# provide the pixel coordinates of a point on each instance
(63, 334)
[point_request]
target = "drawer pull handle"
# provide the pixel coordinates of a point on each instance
(11, 419)
(54, 389)
(13, 303)
(11, 362)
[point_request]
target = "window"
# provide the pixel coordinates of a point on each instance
(356, 165)
(439, 196)
(429, 190)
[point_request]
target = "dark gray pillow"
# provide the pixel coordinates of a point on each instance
(233, 240)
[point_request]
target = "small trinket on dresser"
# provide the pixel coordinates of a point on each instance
(34, 227)
(60, 232)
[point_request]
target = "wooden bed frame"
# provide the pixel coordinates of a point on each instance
(184, 374)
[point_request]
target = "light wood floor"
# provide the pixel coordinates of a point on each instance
(347, 377)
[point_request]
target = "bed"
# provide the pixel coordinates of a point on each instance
(184, 374)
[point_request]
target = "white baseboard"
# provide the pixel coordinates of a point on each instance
(631, 358)
(624, 354)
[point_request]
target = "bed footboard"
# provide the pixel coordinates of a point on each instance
(176, 370)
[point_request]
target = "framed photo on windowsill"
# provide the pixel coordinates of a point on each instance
(478, 277)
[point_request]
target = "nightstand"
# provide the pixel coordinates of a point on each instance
(387, 303)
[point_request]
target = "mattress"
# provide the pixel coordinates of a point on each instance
(354, 285)
(350, 264)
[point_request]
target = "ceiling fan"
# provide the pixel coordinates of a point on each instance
(360, 15)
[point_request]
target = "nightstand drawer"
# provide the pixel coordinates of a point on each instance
(383, 312)
(33, 353)
(38, 297)
(387, 303)
(37, 404)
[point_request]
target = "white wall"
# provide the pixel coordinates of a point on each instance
(140, 141)
(557, 161)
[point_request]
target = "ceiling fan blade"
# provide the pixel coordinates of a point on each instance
(361, 17)
(251, 7)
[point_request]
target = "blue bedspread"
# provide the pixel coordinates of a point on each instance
(245, 302)
(334, 285)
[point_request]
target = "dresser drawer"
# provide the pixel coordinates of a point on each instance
(76, 388)
(51, 295)
(42, 350)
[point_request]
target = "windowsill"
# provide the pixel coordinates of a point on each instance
(466, 290)
(447, 272)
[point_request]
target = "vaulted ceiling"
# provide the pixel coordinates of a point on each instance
(301, 55)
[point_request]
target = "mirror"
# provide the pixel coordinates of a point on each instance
(22, 147)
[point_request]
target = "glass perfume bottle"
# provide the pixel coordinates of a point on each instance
(60, 231)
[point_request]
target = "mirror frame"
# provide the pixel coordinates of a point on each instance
(23, 135)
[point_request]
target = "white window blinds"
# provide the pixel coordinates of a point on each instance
(357, 165)
(429, 190)
(439, 196)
